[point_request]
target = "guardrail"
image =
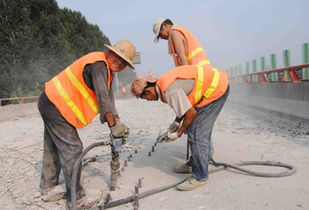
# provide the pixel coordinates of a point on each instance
(266, 76)
(260, 65)
(20, 100)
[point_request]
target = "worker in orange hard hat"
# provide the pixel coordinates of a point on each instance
(69, 102)
(197, 94)
(182, 44)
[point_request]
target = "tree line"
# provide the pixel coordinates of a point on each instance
(38, 40)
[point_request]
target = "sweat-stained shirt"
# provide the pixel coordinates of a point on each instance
(177, 95)
(95, 76)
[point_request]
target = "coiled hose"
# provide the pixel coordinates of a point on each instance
(220, 166)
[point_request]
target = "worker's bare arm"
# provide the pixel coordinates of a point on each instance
(188, 118)
(177, 119)
(179, 43)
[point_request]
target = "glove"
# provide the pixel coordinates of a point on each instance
(162, 137)
(120, 130)
(171, 136)
(167, 137)
(173, 127)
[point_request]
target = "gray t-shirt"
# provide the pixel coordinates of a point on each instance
(177, 95)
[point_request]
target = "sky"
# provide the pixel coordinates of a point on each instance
(232, 32)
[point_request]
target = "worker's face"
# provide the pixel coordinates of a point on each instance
(164, 32)
(115, 62)
(150, 94)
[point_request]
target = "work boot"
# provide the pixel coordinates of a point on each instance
(183, 169)
(190, 184)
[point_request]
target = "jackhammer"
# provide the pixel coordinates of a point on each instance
(116, 144)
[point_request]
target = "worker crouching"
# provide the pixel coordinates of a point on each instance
(69, 102)
(197, 94)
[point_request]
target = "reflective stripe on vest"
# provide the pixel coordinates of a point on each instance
(194, 53)
(203, 62)
(199, 84)
(69, 101)
(213, 85)
(82, 90)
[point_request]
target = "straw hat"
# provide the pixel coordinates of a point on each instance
(125, 49)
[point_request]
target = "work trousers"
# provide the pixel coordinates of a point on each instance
(62, 147)
(199, 136)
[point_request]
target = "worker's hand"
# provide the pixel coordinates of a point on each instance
(120, 130)
(162, 137)
(174, 126)
(171, 136)
(167, 137)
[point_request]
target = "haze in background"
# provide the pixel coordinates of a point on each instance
(231, 32)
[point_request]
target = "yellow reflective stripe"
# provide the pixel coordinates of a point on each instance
(199, 84)
(203, 62)
(82, 90)
(213, 85)
(69, 101)
(194, 53)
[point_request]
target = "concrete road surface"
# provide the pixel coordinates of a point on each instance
(236, 138)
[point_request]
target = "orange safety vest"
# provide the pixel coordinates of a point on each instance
(68, 91)
(195, 53)
(209, 83)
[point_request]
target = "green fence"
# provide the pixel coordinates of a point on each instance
(305, 53)
(252, 66)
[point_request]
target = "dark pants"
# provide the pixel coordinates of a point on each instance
(62, 147)
(199, 136)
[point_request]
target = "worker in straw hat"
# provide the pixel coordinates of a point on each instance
(69, 102)
(182, 44)
(196, 94)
